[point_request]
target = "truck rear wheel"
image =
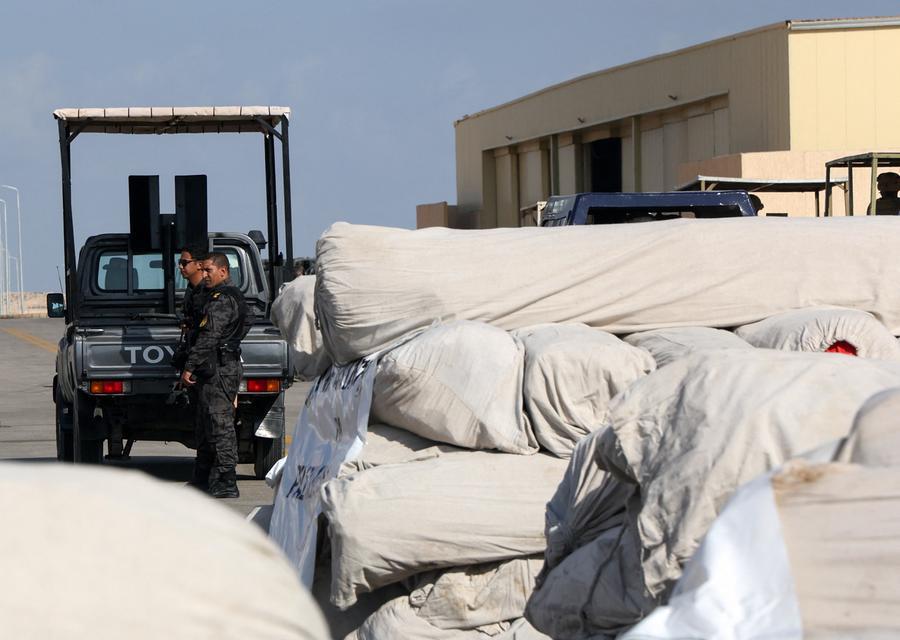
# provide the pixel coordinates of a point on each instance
(87, 448)
(64, 449)
(267, 451)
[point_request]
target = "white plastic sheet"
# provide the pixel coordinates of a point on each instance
(738, 585)
(331, 430)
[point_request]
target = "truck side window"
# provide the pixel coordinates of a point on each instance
(234, 265)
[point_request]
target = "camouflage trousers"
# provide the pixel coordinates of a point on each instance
(215, 419)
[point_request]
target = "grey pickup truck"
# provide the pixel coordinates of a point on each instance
(115, 381)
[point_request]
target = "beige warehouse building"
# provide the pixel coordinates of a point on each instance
(772, 103)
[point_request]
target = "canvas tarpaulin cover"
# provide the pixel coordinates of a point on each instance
(875, 438)
(700, 428)
(688, 435)
(375, 284)
(587, 502)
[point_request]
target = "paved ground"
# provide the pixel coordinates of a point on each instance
(27, 431)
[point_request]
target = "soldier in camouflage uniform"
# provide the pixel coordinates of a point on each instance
(214, 365)
(191, 267)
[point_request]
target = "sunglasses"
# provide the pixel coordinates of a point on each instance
(184, 263)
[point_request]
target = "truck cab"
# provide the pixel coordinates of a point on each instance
(616, 208)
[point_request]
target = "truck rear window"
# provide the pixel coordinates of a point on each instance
(147, 271)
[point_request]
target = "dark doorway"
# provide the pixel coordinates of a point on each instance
(606, 165)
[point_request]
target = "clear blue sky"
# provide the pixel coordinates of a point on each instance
(375, 86)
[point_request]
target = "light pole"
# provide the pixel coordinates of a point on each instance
(4, 268)
(20, 260)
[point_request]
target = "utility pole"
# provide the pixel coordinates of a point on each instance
(20, 261)
(4, 264)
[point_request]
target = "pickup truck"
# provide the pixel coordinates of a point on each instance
(117, 358)
(114, 380)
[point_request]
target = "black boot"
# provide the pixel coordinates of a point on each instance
(199, 477)
(224, 485)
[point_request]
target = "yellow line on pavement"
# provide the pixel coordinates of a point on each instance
(46, 345)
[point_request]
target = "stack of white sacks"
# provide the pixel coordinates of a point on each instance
(557, 448)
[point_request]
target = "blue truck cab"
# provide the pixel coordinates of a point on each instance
(615, 208)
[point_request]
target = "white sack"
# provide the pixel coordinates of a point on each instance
(375, 284)
(819, 329)
(293, 312)
(458, 383)
(390, 445)
(470, 597)
(830, 537)
(688, 435)
(875, 439)
(571, 373)
(100, 553)
(393, 521)
(668, 345)
(587, 502)
(398, 619)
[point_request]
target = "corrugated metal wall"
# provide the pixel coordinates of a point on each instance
(722, 97)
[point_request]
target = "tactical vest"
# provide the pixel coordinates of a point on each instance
(244, 322)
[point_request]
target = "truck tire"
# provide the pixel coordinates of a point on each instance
(267, 451)
(86, 449)
(64, 448)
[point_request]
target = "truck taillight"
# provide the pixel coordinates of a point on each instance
(109, 387)
(260, 385)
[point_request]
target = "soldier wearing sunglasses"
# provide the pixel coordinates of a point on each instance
(190, 264)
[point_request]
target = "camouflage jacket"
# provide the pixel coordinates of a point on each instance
(224, 321)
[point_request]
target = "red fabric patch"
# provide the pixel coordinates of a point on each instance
(842, 346)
